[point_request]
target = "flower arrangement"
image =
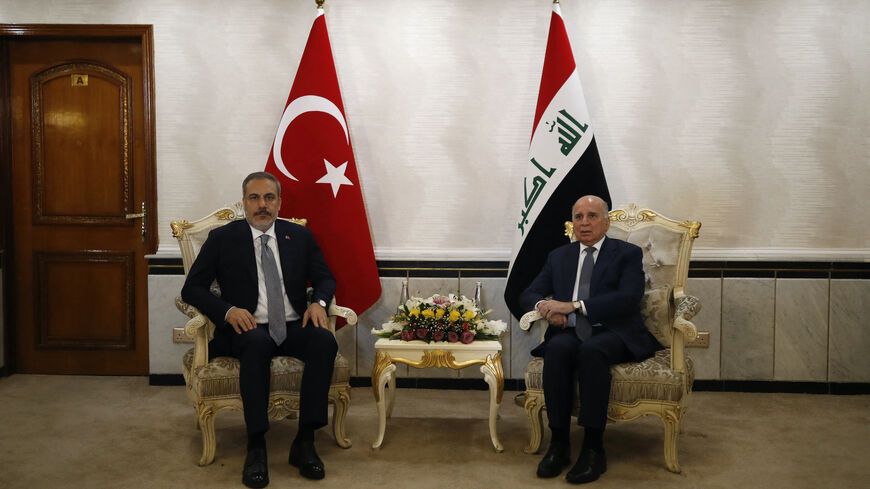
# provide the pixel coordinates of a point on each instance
(441, 318)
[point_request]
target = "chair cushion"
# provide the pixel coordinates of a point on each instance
(655, 307)
(220, 377)
(649, 379)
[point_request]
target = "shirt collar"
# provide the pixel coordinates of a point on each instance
(597, 245)
(256, 233)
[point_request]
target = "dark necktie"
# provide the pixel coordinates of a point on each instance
(274, 297)
(582, 327)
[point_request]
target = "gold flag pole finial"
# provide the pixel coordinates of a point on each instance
(555, 2)
(319, 3)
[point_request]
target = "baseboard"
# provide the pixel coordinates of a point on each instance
(838, 388)
(165, 379)
(433, 383)
(761, 386)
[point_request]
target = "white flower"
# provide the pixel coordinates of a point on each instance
(493, 327)
(389, 327)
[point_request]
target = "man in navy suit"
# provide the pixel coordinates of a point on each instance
(591, 328)
(257, 316)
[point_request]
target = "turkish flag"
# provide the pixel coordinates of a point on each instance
(313, 159)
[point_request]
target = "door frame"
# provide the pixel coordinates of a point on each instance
(145, 35)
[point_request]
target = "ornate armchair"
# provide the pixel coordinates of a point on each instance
(661, 385)
(213, 386)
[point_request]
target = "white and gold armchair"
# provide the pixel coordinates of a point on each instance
(662, 384)
(213, 386)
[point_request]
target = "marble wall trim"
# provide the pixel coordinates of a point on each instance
(697, 269)
(762, 329)
(834, 388)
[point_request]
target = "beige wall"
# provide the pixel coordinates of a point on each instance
(751, 116)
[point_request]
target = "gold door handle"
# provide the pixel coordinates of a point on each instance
(137, 216)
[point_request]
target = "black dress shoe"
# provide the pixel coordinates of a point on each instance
(557, 458)
(256, 471)
(303, 456)
(589, 467)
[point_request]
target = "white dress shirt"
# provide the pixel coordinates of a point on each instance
(583, 251)
(261, 315)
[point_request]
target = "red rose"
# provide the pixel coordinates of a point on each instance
(422, 332)
(465, 326)
(452, 337)
(407, 335)
(467, 337)
(437, 335)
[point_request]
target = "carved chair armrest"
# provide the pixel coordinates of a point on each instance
(529, 318)
(687, 306)
(186, 308)
(335, 311)
(343, 312)
(532, 318)
(196, 328)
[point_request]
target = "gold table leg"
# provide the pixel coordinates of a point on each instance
(494, 377)
(382, 372)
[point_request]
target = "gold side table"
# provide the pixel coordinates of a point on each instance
(420, 354)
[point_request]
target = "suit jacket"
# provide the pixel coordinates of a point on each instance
(228, 257)
(614, 295)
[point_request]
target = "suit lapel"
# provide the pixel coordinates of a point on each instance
(569, 276)
(248, 259)
(285, 247)
(605, 258)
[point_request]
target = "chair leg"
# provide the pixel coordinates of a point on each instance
(341, 403)
(671, 420)
(206, 425)
(533, 406)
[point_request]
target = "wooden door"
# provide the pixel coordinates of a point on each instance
(80, 138)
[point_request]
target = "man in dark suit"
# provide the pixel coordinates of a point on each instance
(257, 317)
(596, 284)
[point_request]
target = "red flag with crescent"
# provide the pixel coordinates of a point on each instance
(313, 159)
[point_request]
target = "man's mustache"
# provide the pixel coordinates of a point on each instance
(263, 212)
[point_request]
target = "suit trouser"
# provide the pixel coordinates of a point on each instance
(255, 348)
(566, 356)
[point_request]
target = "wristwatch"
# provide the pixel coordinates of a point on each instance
(322, 303)
(578, 306)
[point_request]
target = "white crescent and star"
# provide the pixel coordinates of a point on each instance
(312, 103)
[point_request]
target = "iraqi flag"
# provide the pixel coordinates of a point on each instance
(313, 159)
(563, 165)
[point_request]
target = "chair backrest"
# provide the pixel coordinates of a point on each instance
(666, 243)
(667, 249)
(191, 235)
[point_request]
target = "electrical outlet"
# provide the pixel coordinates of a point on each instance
(178, 336)
(701, 341)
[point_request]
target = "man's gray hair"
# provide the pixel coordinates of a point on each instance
(258, 175)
